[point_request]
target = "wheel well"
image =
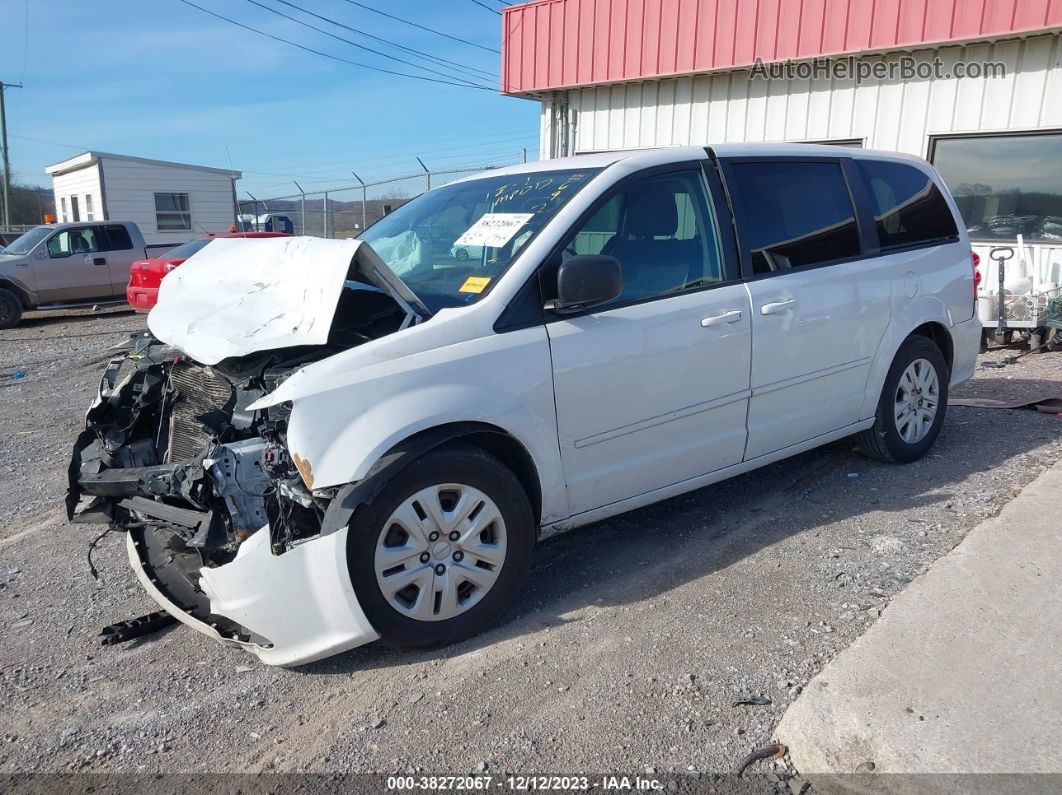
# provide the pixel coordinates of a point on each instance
(500, 444)
(939, 335)
(22, 297)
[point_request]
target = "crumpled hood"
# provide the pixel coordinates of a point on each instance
(242, 295)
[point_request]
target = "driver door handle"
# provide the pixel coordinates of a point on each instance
(99, 260)
(777, 307)
(733, 316)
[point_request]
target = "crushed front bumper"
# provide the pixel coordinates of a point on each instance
(299, 605)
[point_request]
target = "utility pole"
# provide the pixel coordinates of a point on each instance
(256, 229)
(364, 201)
(3, 142)
(523, 154)
(302, 209)
(428, 173)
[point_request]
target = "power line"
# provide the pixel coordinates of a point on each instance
(354, 43)
(389, 148)
(310, 175)
(484, 5)
(388, 42)
(422, 27)
(328, 55)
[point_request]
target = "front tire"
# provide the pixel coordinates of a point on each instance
(912, 405)
(443, 550)
(10, 309)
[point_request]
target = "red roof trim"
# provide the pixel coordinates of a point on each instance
(552, 44)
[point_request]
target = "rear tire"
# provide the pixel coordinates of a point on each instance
(446, 579)
(10, 309)
(912, 405)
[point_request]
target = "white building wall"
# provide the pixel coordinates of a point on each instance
(732, 107)
(131, 186)
(80, 183)
(890, 114)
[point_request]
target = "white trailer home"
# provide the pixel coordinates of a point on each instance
(170, 202)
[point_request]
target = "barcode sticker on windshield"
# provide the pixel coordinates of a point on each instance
(493, 229)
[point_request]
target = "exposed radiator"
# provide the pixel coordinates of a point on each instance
(204, 401)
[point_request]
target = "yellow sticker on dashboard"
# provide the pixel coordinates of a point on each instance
(474, 284)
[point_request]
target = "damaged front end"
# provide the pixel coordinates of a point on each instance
(218, 513)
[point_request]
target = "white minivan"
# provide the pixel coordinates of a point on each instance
(321, 443)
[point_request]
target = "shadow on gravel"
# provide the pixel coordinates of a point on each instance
(1015, 388)
(39, 321)
(643, 554)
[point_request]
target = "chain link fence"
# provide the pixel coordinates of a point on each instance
(345, 211)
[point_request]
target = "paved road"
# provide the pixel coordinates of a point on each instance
(629, 649)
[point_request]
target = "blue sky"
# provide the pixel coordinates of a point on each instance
(159, 79)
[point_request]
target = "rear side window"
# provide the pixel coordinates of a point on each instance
(118, 238)
(909, 209)
(793, 214)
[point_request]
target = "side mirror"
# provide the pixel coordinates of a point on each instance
(585, 280)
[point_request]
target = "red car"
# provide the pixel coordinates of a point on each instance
(145, 275)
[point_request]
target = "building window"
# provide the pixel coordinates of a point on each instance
(780, 226)
(62, 209)
(909, 209)
(89, 215)
(1004, 185)
(172, 212)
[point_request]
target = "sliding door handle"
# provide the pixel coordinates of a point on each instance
(733, 316)
(777, 307)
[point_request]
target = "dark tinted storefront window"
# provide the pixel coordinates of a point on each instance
(793, 214)
(1005, 185)
(909, 209)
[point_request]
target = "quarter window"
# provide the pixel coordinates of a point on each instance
(117, 237)
(662, 231)
(172, 212)
(1004, 185)
(793, 214)
(909, 208)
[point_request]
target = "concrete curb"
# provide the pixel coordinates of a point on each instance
(963, 672)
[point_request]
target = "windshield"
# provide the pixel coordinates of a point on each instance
(449, 244)
(185, 250)
(27, 242)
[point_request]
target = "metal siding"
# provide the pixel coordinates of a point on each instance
(601, 41)
(728, 106)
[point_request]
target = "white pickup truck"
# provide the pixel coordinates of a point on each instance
(63, 265)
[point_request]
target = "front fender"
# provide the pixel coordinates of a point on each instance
(504, 381)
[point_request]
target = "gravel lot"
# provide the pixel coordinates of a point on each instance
(628, 651)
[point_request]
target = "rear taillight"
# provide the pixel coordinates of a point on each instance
(975, 260)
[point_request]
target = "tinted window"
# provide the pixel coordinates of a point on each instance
(185, 250)
(80, 240)
(1005, 185)
(909, 208)
(792, 214)
(662, 231)
(118, 238)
